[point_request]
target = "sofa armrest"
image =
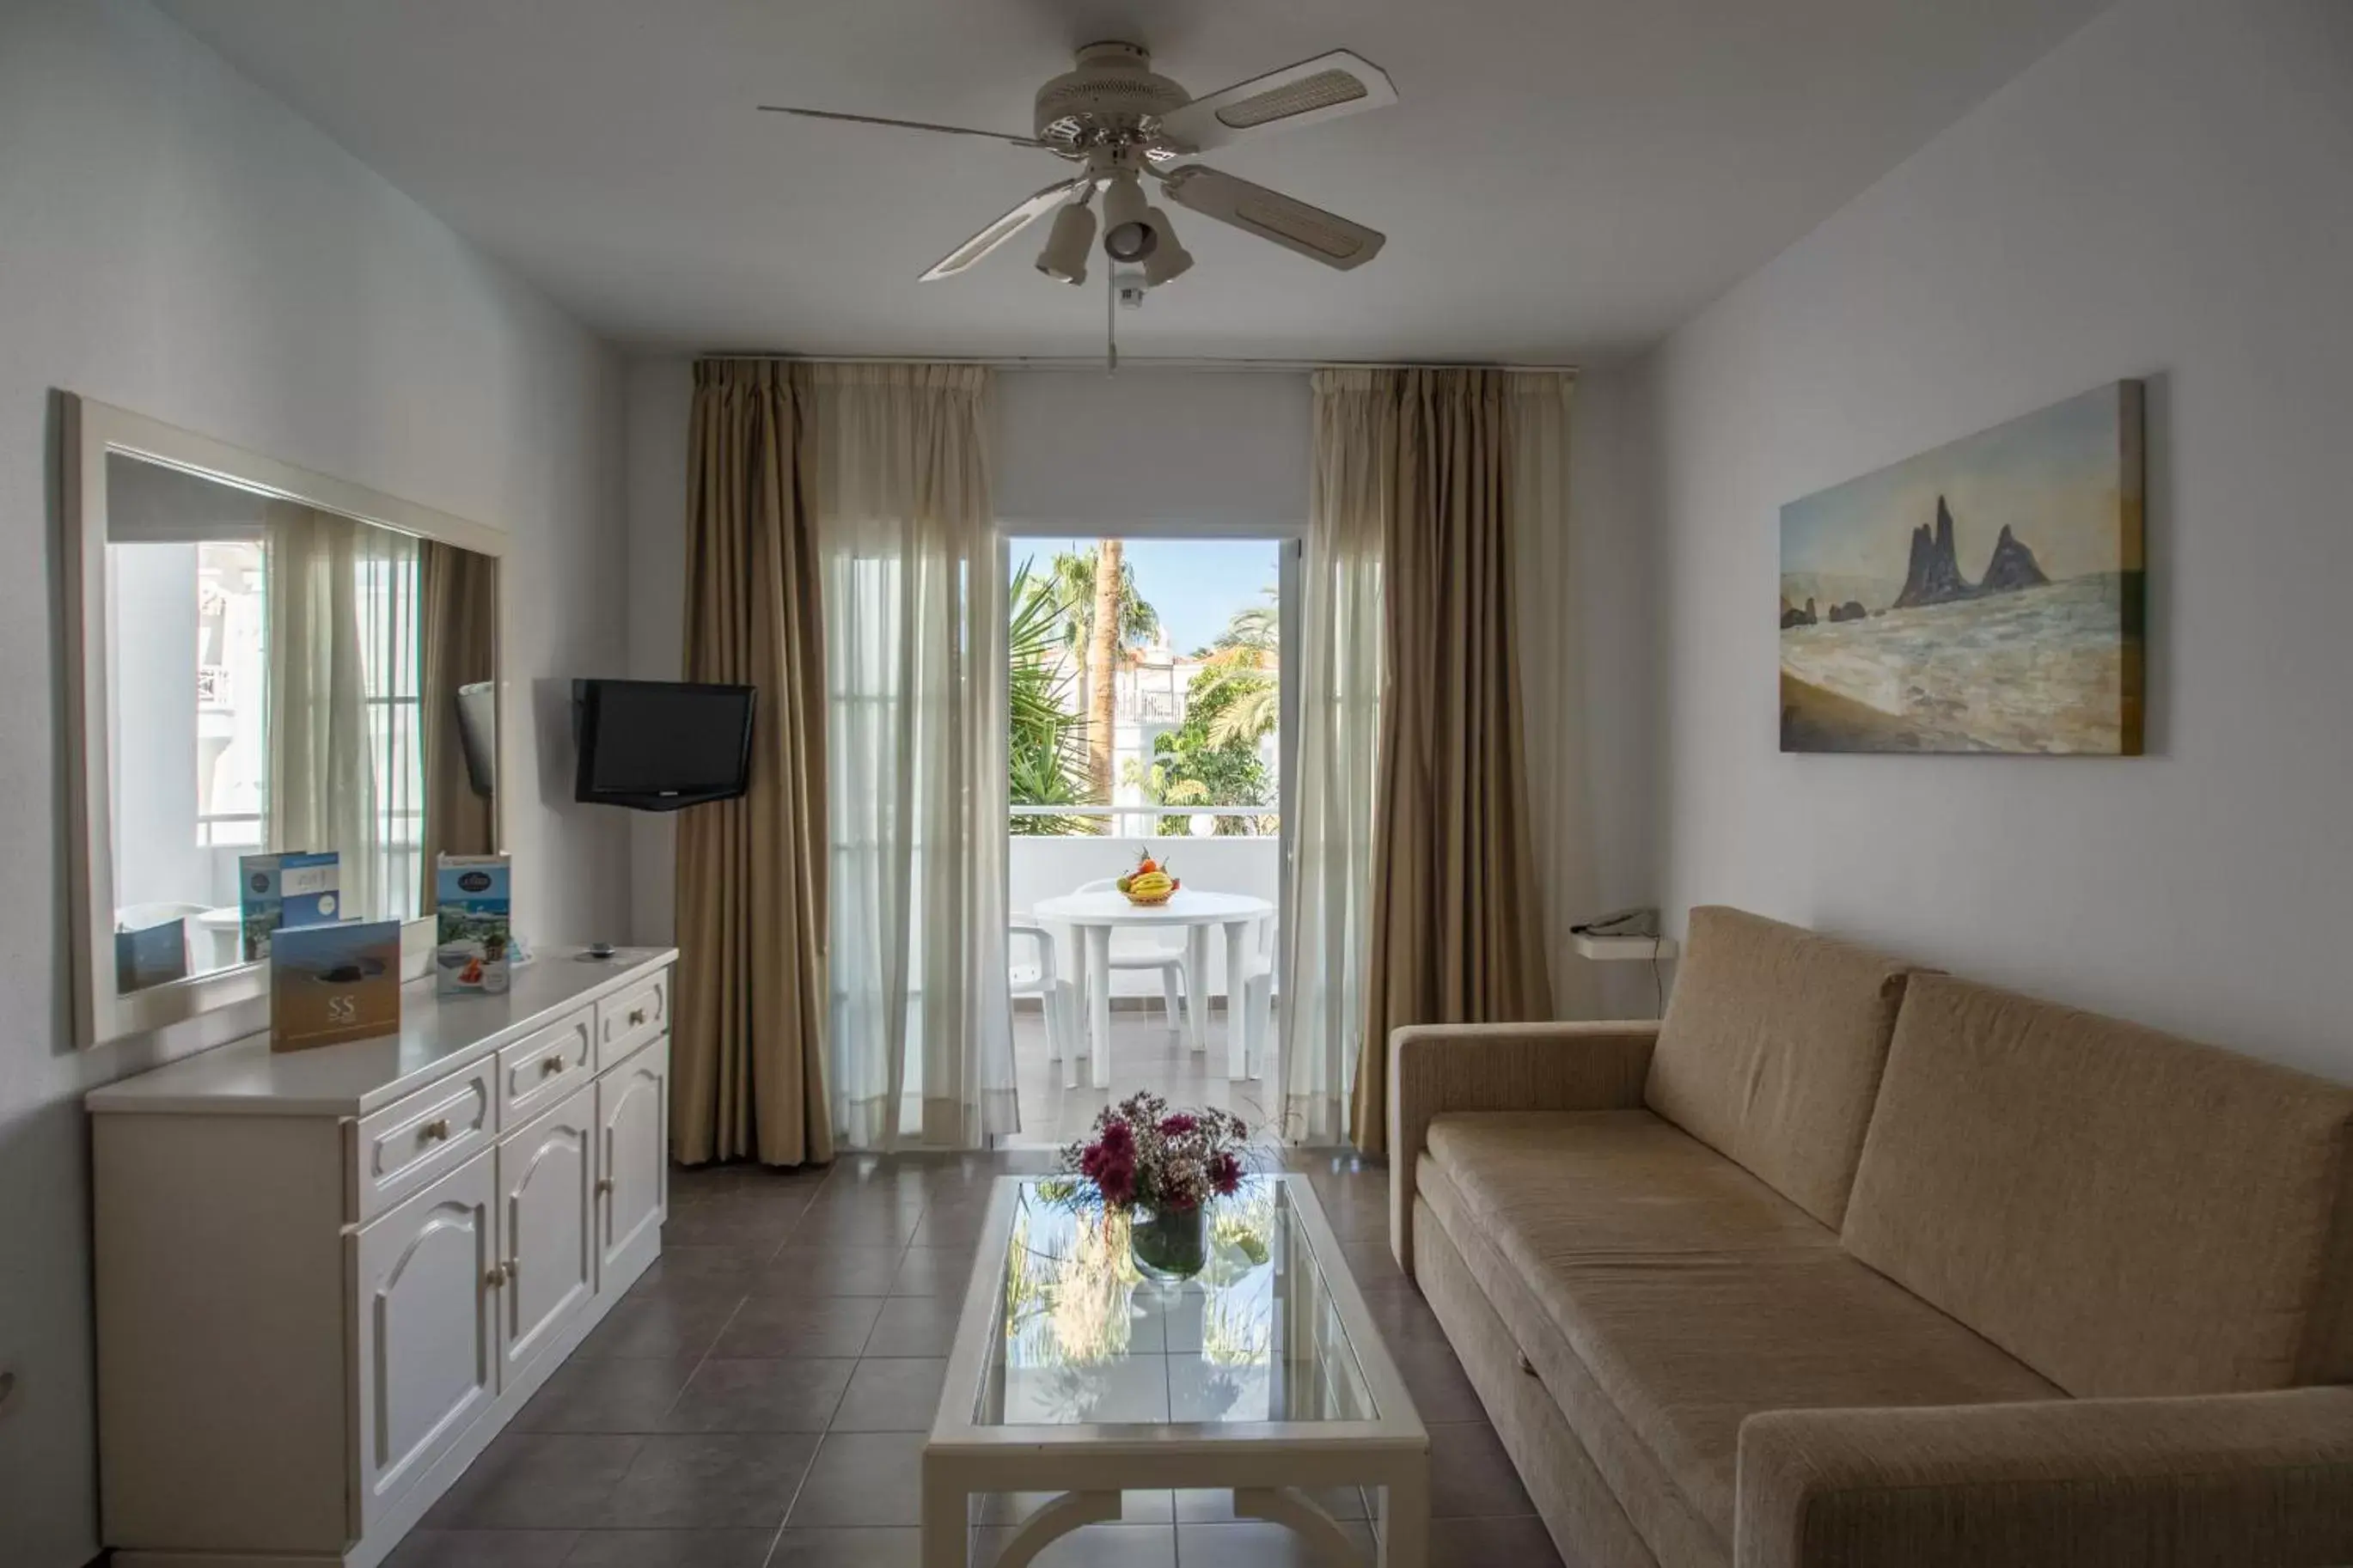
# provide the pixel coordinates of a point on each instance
(1437, 1067)
(2237, 1479)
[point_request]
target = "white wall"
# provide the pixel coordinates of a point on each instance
(2167, 196)
(180, 244)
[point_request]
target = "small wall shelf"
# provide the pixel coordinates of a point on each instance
(1617, 949)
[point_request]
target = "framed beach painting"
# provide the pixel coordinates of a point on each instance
(1983, 597)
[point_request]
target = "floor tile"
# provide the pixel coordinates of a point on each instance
(1371, 1261)
(802, 1268)
(892, 1394)
(1471, 1476)
(671, 1549)
(705, 1270)
(657, 1327)
(535, 1481)
(798, 1326)
(858, 1228)
(707, 1481)
(1522, 1541)
(733, 1219)
(952, 1229)
(932, 1272)
(1094, 1546)
(605, 1395)
(1257, 1544)
(863, 1479)
(914, 1326)
(481, 1549)
(788, 1394)
(847, 1549)
(1435, 1379)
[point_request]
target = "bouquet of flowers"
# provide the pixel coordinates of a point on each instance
(1143, 1155)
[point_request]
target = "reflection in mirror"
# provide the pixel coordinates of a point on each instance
(280, 679)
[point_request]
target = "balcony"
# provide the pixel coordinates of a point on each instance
(1144, 1054)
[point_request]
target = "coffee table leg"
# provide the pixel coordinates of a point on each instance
(947, 1524)
(1197, 996)
(1098, 939)
(1405, 1521)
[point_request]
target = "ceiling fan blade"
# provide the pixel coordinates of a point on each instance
(1324, 88)
(1314, 233)
(900, 124)
(1005, 227)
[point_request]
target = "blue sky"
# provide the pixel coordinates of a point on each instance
(1195, 584)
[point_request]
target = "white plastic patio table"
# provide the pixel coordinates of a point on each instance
(1094, 916)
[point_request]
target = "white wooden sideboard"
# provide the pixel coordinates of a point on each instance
(327, 1278)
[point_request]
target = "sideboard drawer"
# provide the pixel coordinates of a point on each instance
(538, 1071)
(627, 1019)
(403, 1147)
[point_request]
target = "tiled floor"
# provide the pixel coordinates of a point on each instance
(761, 1397)
(1144, 1053)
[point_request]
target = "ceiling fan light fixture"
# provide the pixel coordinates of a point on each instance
(1169, 259)
(1128, 231)
(1064, 260)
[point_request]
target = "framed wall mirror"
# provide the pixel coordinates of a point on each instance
(268, 660)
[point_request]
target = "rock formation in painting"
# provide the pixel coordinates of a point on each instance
(1796, 617)
(1851, 610)
(2013, 566)
(1933, 577)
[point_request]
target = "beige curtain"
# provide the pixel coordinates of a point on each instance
(458, 606)
(748, 1074)
(322, 791)
(1457, 927)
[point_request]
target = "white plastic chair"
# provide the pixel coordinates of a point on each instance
(1177, 991)
(1257, 991)
(1057, 997)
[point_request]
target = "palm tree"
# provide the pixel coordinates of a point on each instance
(1237, 685)
(1107, 615)
(1042, 752)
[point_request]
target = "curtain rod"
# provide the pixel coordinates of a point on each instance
(1148, 361)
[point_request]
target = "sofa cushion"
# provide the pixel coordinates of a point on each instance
(1771, 1050)
(1549, 1183)
(2126, 1211)
(1685, 1338)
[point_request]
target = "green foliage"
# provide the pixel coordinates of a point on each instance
(1046, 751)
(1072, 575)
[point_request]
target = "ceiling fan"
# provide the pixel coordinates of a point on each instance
(1114, 114)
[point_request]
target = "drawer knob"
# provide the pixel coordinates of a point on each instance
(604, 1186)
(496, 1276)
(552, 1065)
(637, 1017)
(435, 1130)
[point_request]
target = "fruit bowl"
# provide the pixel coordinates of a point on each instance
(1149, 886)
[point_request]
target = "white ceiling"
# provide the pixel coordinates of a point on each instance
(1563, 179)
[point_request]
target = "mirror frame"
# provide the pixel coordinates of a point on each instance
(91, 431)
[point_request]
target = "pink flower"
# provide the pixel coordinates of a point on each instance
(1225, 1174)
(1117, 1138)
(1177, 1126)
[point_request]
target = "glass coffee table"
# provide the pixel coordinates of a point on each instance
(1077, 1373)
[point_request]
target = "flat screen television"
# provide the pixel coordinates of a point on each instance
(659, 745)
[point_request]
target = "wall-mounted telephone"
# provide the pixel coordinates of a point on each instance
(1621, 923)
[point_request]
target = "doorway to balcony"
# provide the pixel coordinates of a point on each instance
(1150, 714)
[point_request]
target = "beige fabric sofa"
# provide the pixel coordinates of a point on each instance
(1848, 1263)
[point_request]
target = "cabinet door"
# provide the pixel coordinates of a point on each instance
(427, 1328)
(547, 1205)
(633, 1117)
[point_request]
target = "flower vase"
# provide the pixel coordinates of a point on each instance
(1170, 1244)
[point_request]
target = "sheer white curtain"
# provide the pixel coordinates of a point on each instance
(345, 767)
(1326, 939)
(895, 469)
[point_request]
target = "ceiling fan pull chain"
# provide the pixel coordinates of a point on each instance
(1111, 322)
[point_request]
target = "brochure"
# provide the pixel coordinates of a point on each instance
(329, 984)
(476, 951)
(151, 955)
(285, 889)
